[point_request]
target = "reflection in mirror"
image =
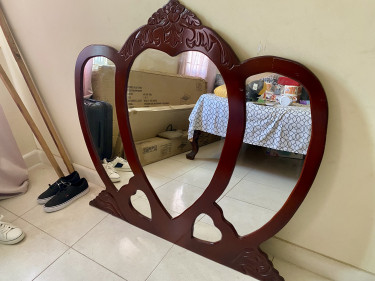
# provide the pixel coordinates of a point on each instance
(162, 92)
(100, 109)
(277, 136)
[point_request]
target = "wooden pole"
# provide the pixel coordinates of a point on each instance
(30, 121)
(33, 89)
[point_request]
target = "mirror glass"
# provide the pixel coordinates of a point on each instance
(277, 136)
(100, 110)
(162, 93)
(171, 97)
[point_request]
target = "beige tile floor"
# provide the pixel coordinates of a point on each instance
(81, 242)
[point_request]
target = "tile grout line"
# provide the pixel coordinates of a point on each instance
(17, 217)
(90, 229)
(44, 231)
(71, 248)
(51, 262)
(101, 265)
(20, 217)
(155, 173)
(24, 219)
(169, 250)
(266, 184)
(250, 203)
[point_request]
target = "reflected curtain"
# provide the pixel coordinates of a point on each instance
(197, 64)
(87, 73)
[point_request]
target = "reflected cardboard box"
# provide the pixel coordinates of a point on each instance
(150, 91)
(148, 122)
(284, 154)
(155, 149)
(148, 88)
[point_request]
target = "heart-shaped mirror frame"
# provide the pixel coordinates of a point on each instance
(174, 29)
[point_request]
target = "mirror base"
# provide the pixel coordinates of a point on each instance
(105, 201)
(249, 260)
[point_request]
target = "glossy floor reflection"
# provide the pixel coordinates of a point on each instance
(257, 190)
(81, 242)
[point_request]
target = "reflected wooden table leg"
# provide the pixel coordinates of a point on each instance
(194, 145)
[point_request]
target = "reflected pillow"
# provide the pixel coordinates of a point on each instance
(170, 134)
(221, 91)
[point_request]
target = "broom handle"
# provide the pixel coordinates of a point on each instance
(30, 121)
(33, 90)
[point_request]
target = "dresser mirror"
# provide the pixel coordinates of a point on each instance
(100, 113)
(161, 94)
(236, 116)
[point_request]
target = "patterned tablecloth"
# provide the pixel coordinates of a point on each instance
(282, 128)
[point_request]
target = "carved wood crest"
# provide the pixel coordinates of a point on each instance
(174, 25)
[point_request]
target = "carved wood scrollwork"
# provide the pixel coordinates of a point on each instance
(171, 25)
(255, 263)
(174, 29)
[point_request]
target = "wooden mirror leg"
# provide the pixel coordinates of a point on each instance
(194, 145)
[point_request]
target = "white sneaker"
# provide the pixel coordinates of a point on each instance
(108, 167)
(121, 164)
(10, 234)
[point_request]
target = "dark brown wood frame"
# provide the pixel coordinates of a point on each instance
(174, 29)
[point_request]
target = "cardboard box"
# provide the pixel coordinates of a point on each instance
(148, 122)
(155, 149)
(285, 154)
(150, 89)
(206, 138)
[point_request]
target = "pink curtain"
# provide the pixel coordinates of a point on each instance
(13, 170)
(197, 64)
(87, 74)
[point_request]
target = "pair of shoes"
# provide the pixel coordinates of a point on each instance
(63, 192)
(54, 188)
(67, 194)
(110, 170)
(121, 164)
(113, 167)
(10, 234)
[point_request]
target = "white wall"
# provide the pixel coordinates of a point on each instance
(20, 129)
(155, 60)
(333, 38)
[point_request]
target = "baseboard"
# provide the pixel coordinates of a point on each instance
(32, 158)
(38, 156)
(314, 262)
